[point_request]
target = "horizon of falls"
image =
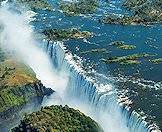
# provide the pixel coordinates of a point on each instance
(96, 100)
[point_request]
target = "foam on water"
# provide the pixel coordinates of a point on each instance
(100, 101)
(96, 100)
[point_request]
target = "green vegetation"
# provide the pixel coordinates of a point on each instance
(130, 62)
(127, 60)
(58, 119)
(94, 51)
(149, 11)
(123, 20)
(36, 4)
(62, 34)
(79, 7)
(134, 3)
(156, 61)
(14, 73)
(144, 12)
(16, 84)
(122, 45)
(15, 96)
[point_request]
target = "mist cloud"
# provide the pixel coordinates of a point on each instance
(17, 36)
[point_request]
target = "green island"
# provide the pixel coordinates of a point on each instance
(122, 45)
(144, 12)
(122, 20)
(57, 119)
(130, 62)
(36, 4)
(156, 61)
(148, 10)
(79, 7)
(103, 50)
(127, 60)
(64, 34)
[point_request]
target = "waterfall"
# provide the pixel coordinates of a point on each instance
(99, 100)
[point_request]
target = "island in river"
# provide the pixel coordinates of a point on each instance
(145, 12)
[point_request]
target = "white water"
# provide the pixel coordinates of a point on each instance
(98, 101)
(17, 37)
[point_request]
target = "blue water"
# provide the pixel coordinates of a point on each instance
(141, 83)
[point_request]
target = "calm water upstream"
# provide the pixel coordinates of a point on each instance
(140, 83)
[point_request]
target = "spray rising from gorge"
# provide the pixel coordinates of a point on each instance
(17, 37)
(76, 91)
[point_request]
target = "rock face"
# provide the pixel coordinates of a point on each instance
(56, 119)
(18, 86)
(30, 98)
(16, 97)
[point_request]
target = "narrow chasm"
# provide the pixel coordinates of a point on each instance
(78, 65)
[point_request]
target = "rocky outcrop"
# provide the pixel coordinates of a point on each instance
(79, 7)
(143, 12)
(19, 87)
(13, 103)
(65, 34)
(16, 97)
(149, 11)
(35, 4)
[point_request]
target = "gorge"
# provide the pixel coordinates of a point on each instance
(62, 72)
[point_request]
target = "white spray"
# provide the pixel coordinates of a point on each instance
(17, 36)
